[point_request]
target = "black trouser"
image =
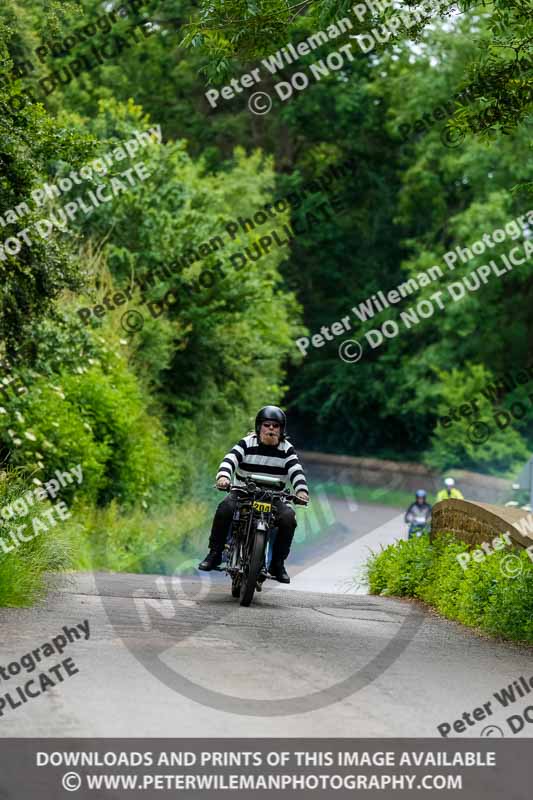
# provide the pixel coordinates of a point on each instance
(286, 526)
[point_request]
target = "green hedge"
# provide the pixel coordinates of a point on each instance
(26, 570)
(495, 595)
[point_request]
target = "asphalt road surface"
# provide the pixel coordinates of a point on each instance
(179, 657)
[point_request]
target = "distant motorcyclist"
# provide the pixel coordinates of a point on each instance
(449, 491)
(418, 515)
(266, 451)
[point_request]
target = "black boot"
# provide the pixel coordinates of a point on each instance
(277, 569)
(212, 560)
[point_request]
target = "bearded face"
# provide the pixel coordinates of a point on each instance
(270, 433)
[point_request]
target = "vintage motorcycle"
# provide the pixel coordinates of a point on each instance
(419, 524)
(249, 543)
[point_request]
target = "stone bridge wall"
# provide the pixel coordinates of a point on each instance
(375, 472)
(476, 523)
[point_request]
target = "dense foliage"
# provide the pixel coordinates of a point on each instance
(494, 595)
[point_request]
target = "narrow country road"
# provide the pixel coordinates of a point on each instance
(179, 657)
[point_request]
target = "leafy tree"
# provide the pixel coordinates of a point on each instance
(501, 32)
(33, 270)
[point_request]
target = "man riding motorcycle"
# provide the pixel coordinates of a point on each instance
(449, 491)
(266, 452)
(418, 515)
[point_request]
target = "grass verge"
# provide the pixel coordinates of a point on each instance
(494, 595)
(161, 542)
(363, 494)
(33, 547)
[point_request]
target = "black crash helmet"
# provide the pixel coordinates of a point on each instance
(274, 414)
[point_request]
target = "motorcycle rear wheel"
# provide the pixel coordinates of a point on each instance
(255, 562)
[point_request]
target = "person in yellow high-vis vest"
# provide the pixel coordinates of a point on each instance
(449, 491)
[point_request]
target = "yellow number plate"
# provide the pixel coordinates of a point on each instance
(262, 506)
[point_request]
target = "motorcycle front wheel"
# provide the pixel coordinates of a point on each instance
(253, 567)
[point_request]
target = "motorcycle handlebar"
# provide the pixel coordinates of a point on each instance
(297, 500)
(283, 493)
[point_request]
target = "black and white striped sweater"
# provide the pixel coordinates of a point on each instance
(249, 455)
